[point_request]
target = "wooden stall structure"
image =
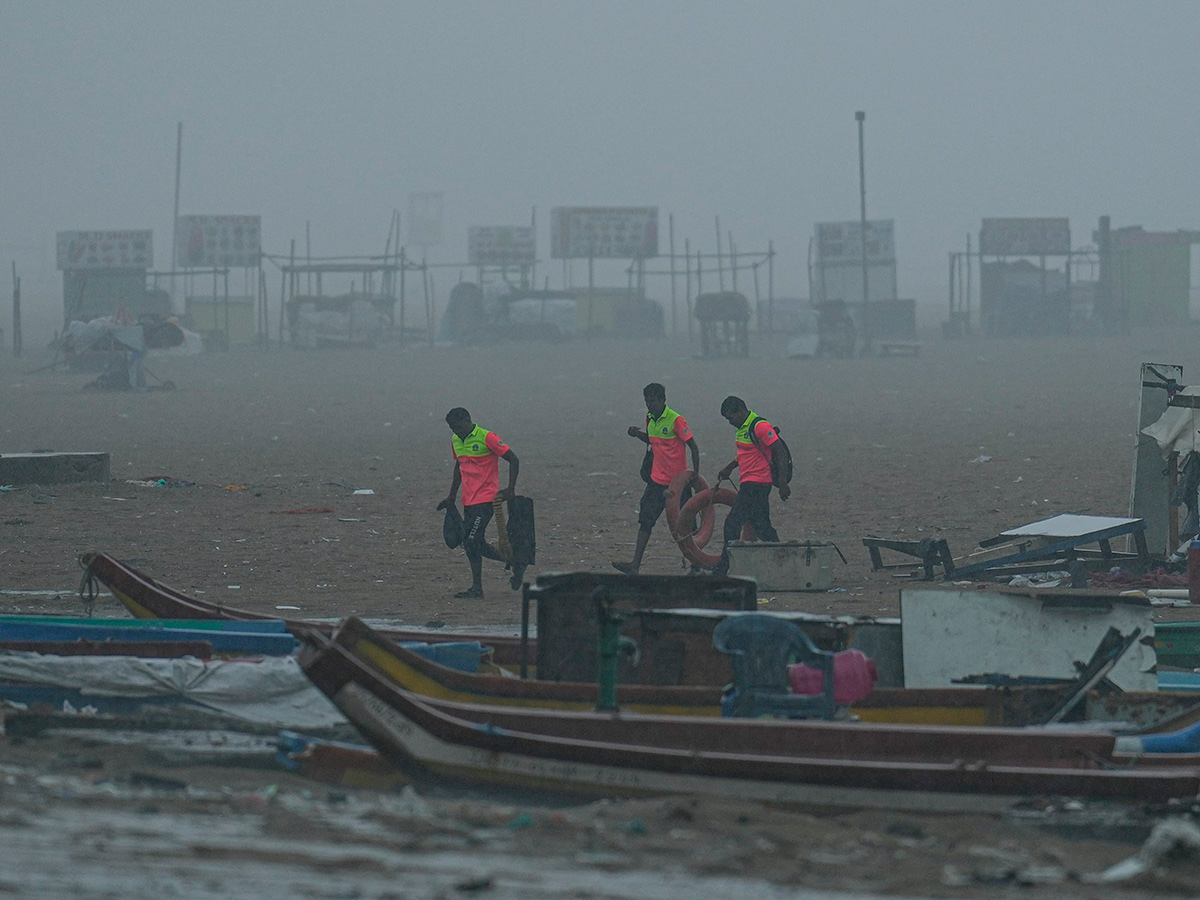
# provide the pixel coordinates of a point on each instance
(724, 325)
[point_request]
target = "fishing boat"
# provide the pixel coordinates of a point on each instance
(148, 598)
(807, 762)
(1004, 706)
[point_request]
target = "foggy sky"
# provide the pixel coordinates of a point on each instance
(334, 112)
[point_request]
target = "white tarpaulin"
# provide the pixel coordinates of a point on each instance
(1176, 428)
(272, 691)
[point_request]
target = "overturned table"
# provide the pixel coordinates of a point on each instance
(1059, 536)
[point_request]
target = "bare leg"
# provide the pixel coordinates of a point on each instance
(639, 550)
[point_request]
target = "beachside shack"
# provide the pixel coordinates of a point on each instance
(104, 274)
(724, 319)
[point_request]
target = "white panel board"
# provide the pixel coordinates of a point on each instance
(950, 634)
(105, 250)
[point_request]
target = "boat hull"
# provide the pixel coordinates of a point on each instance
(804, 763)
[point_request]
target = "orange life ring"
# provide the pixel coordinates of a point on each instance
(701, 504)
(704, 500)
(708, 517)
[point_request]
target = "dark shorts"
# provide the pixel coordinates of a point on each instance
(654, 501)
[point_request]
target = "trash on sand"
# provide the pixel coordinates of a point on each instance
(161, 481)
(305, 511)
(1174, 838)
(363, 492)
(287, 607)
(234, 487)
(981, 459)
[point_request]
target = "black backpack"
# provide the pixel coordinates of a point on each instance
(781, 455)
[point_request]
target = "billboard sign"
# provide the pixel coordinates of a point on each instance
(1025, 237)
(218, 242)
(500, 245)
(841, 242)
(604, 232)
(105, 250)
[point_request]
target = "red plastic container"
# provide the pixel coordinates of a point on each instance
(854, 676)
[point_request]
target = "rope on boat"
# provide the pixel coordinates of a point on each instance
(88, 589)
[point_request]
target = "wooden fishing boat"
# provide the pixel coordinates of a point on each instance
(831, 764)
(148, 598)
(1009, 706)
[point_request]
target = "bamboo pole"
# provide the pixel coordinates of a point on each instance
(671, 233)
(687, 290)
(720, 266)
(17, 343)
(733, 263)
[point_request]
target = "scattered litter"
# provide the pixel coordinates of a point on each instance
(161, 481)
(349, 520)
(287, 607)
(1041, 579)
(114, 498)
(981, 459)
(234, 587)
(234, 487)
(6, 487)
(1172, 839)
(305, 511)
(597, 474)
(363, 492)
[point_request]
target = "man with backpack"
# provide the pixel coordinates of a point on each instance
(763, 460)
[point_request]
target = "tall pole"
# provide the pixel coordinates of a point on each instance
(17, 342)
(720, 267)
(671, 234)
(175, 221)
(861, 118)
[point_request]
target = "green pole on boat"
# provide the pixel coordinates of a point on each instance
(610, 646)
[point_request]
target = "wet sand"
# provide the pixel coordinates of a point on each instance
(882, 447)
(890, 447)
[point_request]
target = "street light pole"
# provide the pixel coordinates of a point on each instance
(861, 117)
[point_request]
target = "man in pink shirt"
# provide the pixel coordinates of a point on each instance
(477, 455)
(758, 471)
(669, 438)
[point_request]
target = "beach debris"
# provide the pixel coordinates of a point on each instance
(1173, 838)
(303, 511)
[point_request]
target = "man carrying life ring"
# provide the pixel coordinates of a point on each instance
(667, 434)
(758, 465)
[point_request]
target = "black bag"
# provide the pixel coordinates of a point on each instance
(522, 537)
(647, 465)
(453, 529)
(781, 455)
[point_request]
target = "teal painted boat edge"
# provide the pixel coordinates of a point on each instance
(263, 626)
(237, 642)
